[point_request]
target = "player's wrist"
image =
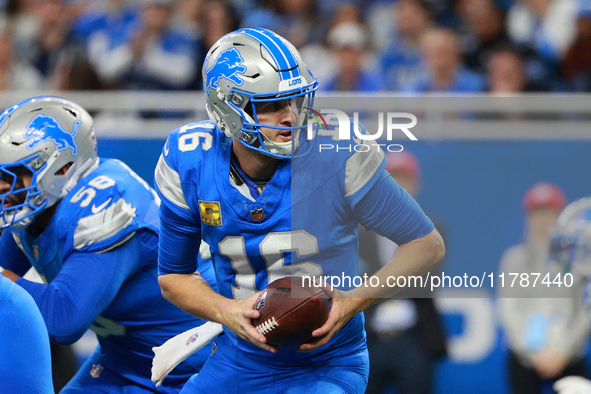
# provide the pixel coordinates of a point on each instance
(224, 307)
(358, 305)
(361, 298)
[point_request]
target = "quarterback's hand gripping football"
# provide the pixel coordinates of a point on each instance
(238, 315)
(342, 309)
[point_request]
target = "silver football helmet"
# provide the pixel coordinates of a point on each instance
(38, 138)
(253, 66)
(570, 239)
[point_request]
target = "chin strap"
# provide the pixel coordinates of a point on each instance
(13, 220)
(279, 148)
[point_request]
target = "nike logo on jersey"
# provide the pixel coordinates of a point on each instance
(166, 148)
(96, 209)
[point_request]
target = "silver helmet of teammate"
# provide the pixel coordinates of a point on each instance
(39, 138)
(570, 239)
(256, 66)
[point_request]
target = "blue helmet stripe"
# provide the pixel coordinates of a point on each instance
(280, 61)
(291, 60)
(279, 56)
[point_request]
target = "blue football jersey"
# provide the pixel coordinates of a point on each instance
(304, 222)
(104, 211)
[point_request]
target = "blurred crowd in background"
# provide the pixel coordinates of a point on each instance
(410, 46)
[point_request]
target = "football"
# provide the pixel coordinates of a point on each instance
(290, 312)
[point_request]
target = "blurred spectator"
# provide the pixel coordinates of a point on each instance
(96, 27)
(320, 60)
(318, 57)
(506, 72)
(327, 8)
(22, 23)
(543, 30)
(443, 68)
(401, 60)
(381, 22)
(149, 56)
(349, 42)
(186, 16)
(347, 12)
(541, 343)
(103, 17)
(216, 19)
(75, 72)
(542, 204)
(52, 39)
(15, 75)
(576, 67)
(296, 20)
(405, 336)
(485, 29)
(548, 26)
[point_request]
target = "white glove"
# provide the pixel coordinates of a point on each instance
(177, 349)
(572, 385)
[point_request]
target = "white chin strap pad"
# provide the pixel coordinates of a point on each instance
(16, 218)
(279, 148)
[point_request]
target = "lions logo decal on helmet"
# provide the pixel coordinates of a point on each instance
(228, 65)
(46, 128)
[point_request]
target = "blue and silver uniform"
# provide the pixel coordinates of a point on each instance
(23, 337)
(311, 206)
(99, 257)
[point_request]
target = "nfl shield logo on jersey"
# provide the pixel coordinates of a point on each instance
(257, 214)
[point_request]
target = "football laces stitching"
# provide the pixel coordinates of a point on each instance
(267, 326)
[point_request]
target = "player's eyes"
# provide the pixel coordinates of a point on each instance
(9, 174)
(6, 177)
(272, 106)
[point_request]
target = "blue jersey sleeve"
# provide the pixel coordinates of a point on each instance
(178, 248)
(180, 227)
(12, 257)
(390, 211)
(25, 359)
(85, 286)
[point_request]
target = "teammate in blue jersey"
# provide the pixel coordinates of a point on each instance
(90, 227)
(25, 361)
(267, 213)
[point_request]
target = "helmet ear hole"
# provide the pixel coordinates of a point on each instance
(249, 109)
(64, 169)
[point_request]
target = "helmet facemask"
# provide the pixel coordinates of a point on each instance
(253, 133)
(21, 202)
